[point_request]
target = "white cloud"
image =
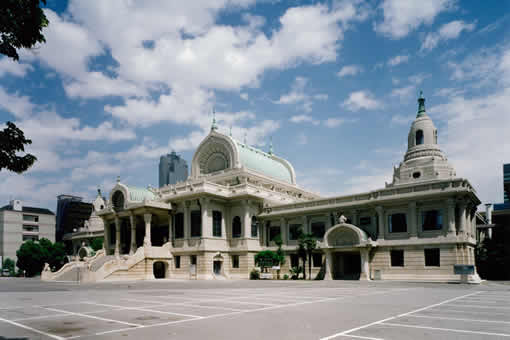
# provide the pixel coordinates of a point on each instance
(361, 100)
(9, 66)
(244, 96)
(403, 93)
(397, 60)
(334, 122)
(349, 70)
(304, 119)
(476, 136)
(298, 95)
(403, 16)
(19, 106)
(451, 30)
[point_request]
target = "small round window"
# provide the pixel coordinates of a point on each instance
(416, 174)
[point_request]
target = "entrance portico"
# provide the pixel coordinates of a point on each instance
(347, 249)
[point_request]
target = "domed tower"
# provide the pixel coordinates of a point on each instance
(424, 160)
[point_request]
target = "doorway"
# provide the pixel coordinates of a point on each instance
(346, 266)
(217, 267)
(159, 269)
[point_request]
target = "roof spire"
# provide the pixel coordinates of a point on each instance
(245, 138)
(230, 133)
(214, 126)
(271, 145)
(421, 105)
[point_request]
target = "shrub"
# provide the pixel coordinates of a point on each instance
(97, 243)
(294, 272)
(286, 277)
(9, 265)
(254, 274)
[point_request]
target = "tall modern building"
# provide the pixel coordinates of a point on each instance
(172, 169)
(506, 182)
(19, 224)
(72, 213)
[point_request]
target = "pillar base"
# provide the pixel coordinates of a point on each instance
(364, 277)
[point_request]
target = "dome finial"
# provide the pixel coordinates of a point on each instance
(230, 133)
(214, 126)
(245, 138)
(271, 145)
(421, 105)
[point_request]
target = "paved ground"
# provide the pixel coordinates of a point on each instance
(30, 309)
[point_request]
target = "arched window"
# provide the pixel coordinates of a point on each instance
(118, 201)
(419, 137)
(254, 226)
(236, 227)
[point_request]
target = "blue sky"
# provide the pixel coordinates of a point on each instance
(334, 83)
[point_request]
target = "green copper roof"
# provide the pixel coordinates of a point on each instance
(139, 194)
(262, 162)
(421, 105)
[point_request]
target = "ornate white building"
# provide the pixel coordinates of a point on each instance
(238, 199)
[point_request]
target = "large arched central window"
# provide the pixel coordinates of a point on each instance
(118, 201)
(236, 227)
(419, 137)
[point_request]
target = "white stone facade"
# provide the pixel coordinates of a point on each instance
(237, 199)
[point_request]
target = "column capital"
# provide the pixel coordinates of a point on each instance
(203, 200)
(379, 209)
(450, 202)
(412, 204)
(147, 218)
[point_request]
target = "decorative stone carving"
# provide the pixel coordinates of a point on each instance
(342, 219)
(343, 237)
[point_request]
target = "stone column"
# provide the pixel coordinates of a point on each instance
(413, 225)
(382, 225)
(246, 225)
(132, 220)
(206, 218)
(147, 240)
(224, 218)
(365, 267)
(462, 219)
(187, 227)
(106, 238)
(354, 217)
(327, 265)
(450, 203)
(117, 236)
(473, 222)
(170, 228)
(305, 224)
(284, 230)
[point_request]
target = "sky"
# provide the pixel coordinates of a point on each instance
(334, 84)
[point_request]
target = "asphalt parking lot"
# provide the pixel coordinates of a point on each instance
(30, 309)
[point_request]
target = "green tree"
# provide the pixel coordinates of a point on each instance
(265, 259)
(280, 254)
(12, 142)
(21, 25)
(307, 243)
(9, 265)
(97, 243)
(31, 258)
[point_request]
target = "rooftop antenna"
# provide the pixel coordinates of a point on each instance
(214, 126)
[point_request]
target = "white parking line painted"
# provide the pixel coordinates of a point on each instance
(448, 310)
(95, 317)
(478, 306)
(172, 313)
(457, 319)
(32, 329)
(241, 312)
(213, 307)
(394, 317)
(41, 317)
(147, 309)
(252, 303)
(445, 329)
(361, 337)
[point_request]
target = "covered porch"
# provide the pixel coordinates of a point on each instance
(347, 249)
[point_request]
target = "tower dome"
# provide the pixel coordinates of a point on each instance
(423, 160)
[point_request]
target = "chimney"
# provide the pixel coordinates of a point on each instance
(16, 205)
